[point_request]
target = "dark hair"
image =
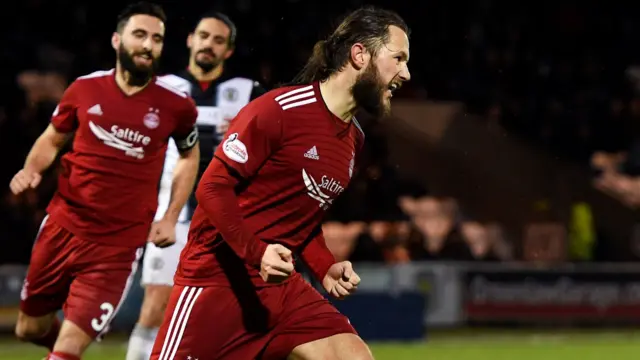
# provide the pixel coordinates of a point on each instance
(233, 31)
(368, 25)
(139, 8)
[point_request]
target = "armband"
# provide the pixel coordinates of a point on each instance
(188, 141)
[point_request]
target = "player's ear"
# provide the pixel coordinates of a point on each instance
(359, 55)
(190, 40)
(115, 41)
(228, 53)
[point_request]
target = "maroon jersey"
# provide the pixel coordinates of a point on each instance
(108, 186)
(285, 159)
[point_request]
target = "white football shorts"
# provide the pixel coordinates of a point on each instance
(159, 265)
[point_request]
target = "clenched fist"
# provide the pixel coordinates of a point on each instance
(163, 233)
(24, 180)
(277, 264)
(341, 281)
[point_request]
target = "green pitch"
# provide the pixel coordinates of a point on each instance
(476, 345)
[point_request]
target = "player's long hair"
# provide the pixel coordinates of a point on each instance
(368, 25)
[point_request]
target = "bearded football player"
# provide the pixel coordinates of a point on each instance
(286, 157)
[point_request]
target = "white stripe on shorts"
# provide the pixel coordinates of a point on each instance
(125, 292)
(179, 322)
(42, 224)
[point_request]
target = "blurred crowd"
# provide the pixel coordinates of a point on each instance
(563, 76)
(432, 230)
(385, 217)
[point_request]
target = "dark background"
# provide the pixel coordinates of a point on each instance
(558, 76)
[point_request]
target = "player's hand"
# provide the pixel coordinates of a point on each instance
(24, 180)
(163, 233)
(341, 280)
(277, 264)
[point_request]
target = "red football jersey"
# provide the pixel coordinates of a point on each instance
(285, 159)
(108, 186)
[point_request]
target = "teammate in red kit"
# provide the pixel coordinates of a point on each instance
(88, 246)
(286, 157)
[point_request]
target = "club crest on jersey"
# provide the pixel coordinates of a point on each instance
(152, 119)
(235, 149)
(230, 94)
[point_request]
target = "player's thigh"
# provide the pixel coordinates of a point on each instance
(206, 323)
(100, 286)
(47, 281)
(160, 264)
(335, 347)
(308, 317)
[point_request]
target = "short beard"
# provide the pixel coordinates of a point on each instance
(138, 76)
(368, 91)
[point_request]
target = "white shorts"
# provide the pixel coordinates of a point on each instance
(159, 265)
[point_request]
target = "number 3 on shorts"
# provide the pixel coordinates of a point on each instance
(99, 324)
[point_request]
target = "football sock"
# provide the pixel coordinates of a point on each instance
(141, 343)
(57, 355)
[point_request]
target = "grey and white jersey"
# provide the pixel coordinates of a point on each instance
(217, 101)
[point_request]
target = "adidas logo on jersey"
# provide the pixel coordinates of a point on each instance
(312, 153)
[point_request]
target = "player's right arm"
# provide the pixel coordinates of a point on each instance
(44, 151)
(253, 136)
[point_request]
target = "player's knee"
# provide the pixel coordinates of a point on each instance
(336, 347)
(28, 332)
(356, 350)
(154, 305)
(361, 353)
(29, 328)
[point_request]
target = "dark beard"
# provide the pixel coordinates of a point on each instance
(138, 76)
(368, 91)
(207, 66)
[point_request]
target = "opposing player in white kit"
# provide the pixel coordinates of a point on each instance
(219, 97)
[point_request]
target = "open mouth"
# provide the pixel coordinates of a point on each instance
(393, 87)
(145, 58)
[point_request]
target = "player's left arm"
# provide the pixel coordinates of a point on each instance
(184, 179)
(320, 259)
(317, 255)
(338, 279)
(186, 169)
(163, 232)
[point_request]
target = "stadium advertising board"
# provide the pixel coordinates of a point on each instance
(551, 296)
